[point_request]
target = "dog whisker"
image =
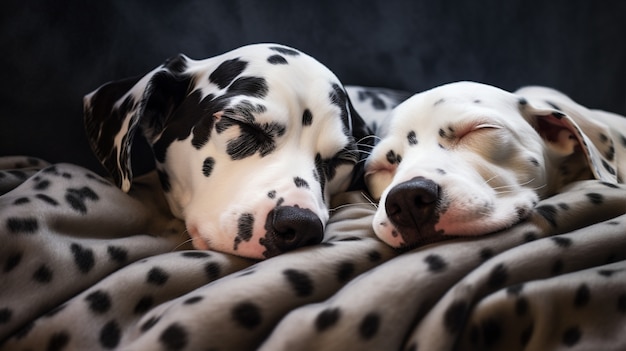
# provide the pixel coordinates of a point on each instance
(350, 205)
(181, 244)
(375, 137)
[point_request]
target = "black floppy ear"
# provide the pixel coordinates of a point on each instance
(364, 140)
(114, 112)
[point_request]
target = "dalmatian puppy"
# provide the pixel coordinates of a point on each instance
(470, 159)
(249, 145)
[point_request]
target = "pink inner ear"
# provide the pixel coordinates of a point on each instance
(550, 127)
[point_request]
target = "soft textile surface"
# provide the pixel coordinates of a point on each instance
(84, 266)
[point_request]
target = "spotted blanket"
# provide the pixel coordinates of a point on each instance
(84, 266)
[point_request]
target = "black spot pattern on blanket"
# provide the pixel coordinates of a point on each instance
(58, 341)
(117, 254)
(435, 263)
(144, 304)
(498, 276)
(299, 281)
(83, 257)
(582, 297)
(247, 315)
(12, 261)
(454, 317)
(327, 318)
(43, 274)
(174, 337)
(212, 270)
(110, 335)
(99, 302)
(27, 225)
(345, 271)
(369, 325)
(157, 276)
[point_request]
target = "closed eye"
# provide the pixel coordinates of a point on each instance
(470, 129)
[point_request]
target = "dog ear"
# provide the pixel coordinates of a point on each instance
(114, 112)
(569, 128)
(364, 140)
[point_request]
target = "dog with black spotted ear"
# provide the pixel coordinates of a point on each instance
(249, 145)
(468, 159)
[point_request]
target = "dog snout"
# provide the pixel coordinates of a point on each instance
(293, 227)
(413, 202)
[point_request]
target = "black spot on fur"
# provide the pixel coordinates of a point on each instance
(393, 158)
(277, 60)
(227, 71)
(245, 226)
(307, 117)
(249, 86)
(608, 167)
(174, 337)
(412, 138)
(299, 281)
(327, 318)
(247, 315)
(285, 51)
(300, 183)
(207, 166)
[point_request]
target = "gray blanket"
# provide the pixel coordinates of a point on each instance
(84, 266)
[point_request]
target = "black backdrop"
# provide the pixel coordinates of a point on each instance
(53, 52)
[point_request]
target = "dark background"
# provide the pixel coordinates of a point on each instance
(54, 52)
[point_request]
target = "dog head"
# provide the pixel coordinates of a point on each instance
(470, 159)
(249, 145)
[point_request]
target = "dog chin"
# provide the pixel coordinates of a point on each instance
(407, 238)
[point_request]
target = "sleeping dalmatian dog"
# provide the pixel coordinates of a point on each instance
(249, 145)
(470, 159)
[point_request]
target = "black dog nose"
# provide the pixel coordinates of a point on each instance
(412, 203)
(294, 227)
